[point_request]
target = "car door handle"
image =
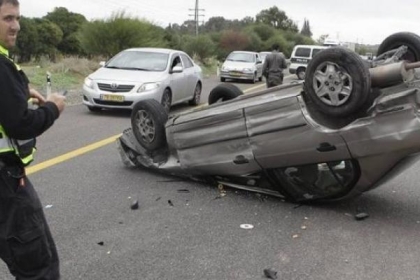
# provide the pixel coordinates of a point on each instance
(326, 147)
(240, 160)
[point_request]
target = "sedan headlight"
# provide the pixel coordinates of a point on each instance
(248, 70)
(148, 86)
(89, 82)
(224, 68)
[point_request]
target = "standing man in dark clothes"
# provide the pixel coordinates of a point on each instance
(273, 67)
(26, 244)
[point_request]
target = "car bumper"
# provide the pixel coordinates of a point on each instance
(126, 100)
(239, 76)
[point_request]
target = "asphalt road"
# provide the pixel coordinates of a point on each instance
(183, 230)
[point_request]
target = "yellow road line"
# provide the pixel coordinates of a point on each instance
(252, 88)
(72, 154)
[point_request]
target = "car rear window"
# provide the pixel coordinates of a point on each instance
(303, 52)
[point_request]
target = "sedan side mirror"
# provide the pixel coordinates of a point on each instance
(177, 69)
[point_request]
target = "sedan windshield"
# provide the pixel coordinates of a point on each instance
(139, 60)
(241, 57)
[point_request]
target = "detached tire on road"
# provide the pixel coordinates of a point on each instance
(396, 40)
(224, 92)
(148, 120)
(338, 82)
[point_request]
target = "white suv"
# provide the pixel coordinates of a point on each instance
(300, 58)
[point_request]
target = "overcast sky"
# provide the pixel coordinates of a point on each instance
(359, 21)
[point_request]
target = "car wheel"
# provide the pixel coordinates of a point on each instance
(337, 82)
(148, 120)
(197, 95)
(222, 79)
(300, 73)
(260, 79)
(166, 100)
(94, 109)
(224, 92)
(396, 40)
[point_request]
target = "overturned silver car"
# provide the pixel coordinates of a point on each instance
(348, 128)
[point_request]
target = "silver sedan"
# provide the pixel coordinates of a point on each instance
(168, 76)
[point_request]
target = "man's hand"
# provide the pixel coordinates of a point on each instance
(57, 99)
(36, 96)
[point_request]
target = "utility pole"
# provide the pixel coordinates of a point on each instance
(196, 15)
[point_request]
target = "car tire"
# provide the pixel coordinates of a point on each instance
(300, 73)
(166, 100)
(337, 82)
(148, 120)
(222, 79)
(197, 95)
(224, 92)
(260, 79)
(94, 109)
(396, 40)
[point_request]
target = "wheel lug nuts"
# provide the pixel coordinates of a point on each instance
(327, 83)
(332, 88)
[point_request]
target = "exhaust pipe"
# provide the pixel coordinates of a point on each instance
(392, 74)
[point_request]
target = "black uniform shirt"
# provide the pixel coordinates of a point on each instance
(18, 121)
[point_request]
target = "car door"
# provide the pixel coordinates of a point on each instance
(280, 136)
(213, 141)
(177, 80)
(190, 76)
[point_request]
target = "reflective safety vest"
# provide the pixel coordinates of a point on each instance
(24, 149)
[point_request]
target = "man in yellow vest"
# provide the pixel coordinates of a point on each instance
(26, 244)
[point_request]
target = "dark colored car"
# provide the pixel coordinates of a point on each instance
(348, 128)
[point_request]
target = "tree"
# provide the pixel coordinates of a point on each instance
(215, 24)
(201, 46)
(276, 18)
(70, 23)
(321, 39)
(110, 36)
(27, 42)
(50, 35)
(232, 41)
(306, 29)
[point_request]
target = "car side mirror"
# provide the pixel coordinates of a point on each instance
(259, 61)
(177, 69)
(102, 63)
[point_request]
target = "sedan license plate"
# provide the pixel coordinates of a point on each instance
(235, 73)
(111, 97)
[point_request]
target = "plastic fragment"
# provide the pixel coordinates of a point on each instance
(135, 205)
(270, 273)
(101, 243)
(247, 226)
(170, 203)
(361, 216)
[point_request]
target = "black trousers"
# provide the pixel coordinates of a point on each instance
(274, 79)
(26, 244)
